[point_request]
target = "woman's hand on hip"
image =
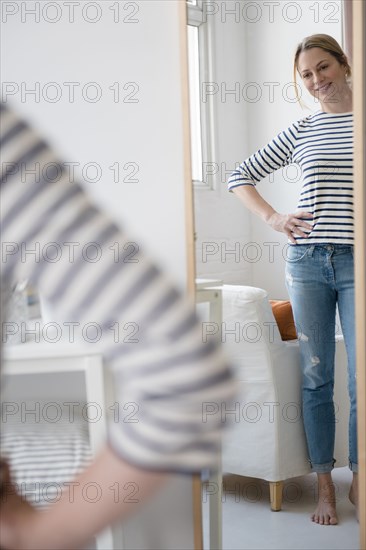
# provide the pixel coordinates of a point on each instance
(291, 224)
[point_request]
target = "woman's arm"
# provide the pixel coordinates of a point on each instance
(80, 514)
(290, 224)
(274, 156)
(159, 367)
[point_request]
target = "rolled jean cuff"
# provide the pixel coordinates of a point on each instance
(323, 468)
(353, 466)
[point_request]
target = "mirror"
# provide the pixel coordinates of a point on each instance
(241, 96)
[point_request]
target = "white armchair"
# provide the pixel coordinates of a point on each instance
(267, 440)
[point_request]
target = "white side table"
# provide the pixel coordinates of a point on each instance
(47, 358)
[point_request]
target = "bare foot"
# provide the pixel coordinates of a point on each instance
(353, 493)
(325, 513)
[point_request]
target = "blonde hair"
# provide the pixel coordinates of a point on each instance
(326, 43)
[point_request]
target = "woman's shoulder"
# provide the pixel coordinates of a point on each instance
(299, 125)
(321, 116)
(308, 119)
(320, 119)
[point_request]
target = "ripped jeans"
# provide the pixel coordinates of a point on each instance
(317, 278)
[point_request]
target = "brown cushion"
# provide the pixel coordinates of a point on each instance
(282, 312)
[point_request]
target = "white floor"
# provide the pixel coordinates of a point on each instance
(249, 524)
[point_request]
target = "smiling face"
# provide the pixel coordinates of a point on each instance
(323, 76)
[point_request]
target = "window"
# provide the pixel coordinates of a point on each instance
(201, 104)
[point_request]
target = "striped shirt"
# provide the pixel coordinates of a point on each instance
(92, 272)
(322, 145)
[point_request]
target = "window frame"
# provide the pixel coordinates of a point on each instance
(196, 17)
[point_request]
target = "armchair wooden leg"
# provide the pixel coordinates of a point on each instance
(275, 493)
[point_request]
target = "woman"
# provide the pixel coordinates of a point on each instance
(166, 370)
(319, 267)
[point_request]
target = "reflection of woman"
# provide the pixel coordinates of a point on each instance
(319, 270)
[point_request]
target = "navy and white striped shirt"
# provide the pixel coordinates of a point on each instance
(162, 366)
(322, 145)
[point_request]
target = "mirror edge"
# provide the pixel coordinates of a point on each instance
(359, 47)
(190, 245)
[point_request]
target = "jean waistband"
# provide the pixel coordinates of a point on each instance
(333, 248)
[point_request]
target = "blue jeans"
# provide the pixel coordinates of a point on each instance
(317, 278)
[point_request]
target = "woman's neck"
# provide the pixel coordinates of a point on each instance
(342, 104)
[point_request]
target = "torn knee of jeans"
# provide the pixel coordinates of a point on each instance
(315, 360)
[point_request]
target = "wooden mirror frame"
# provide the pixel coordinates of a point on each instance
(359, 79)
(190, 230)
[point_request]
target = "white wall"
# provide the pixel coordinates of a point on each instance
(138, 45)
(255, 43)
